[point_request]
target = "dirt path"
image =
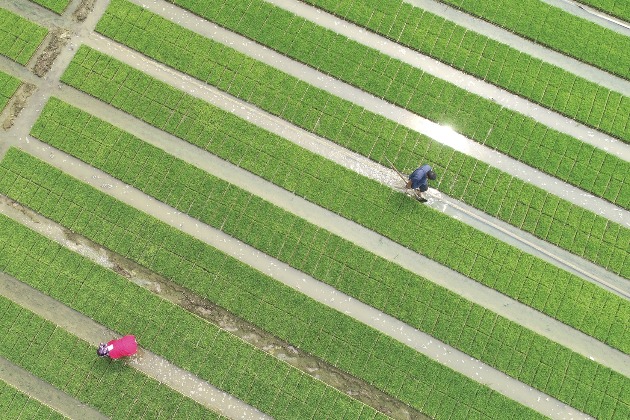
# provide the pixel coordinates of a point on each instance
(323, 293)
(408, 119)
(43, 391)
(153, 366)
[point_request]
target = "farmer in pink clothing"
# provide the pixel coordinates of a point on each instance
(115, 349)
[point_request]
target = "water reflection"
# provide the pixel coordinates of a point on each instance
(444, 134)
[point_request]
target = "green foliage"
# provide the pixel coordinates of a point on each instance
(8, 86)
(181, 337)
(19, 37)
(57, 6)
(369, 278)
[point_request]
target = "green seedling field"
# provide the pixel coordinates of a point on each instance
(485, 58)
(19, 37)
(14, 404)
(552, 152)
(334, 337)
(8, 86)
(446, 240)
(347, 267)
(57, 6)
(539, 21)
(71, 365)
(168, 330)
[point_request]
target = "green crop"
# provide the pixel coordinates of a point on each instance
(618, 8)
(379, 283)
(448, 241)
(8, 86)
(485, 58)
(57, 6)
(164, 328)
(69, 363)
(587, 41)
(326, 333)
(19, 37)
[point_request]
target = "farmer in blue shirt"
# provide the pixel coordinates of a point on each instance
(419, 180)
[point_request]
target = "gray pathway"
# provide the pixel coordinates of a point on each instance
(43, 391)
(295, 279)
(153, 366)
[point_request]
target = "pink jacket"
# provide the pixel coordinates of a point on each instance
(122, 347)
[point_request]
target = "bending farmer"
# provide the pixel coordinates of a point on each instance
(115, 349)
(419, 180)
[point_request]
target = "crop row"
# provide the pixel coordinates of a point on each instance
(19, 37)
(446, 240)
(483, 57)
(580, 38)
(57, 6)
(70, 364)
(550, 151)
(616, 8)
(334, 337)
(347, 267)
(164, 328)
(8, 86)
(17, 405)
(512, 200)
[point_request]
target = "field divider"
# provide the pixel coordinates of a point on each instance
(328, 295)
(148, 363)
(40, 390)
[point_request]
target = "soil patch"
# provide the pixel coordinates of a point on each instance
(58, 39)
(84, 9)
(17, 103)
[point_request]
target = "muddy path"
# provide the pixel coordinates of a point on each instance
(43, 391)
(421, 342)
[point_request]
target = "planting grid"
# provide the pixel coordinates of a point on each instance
(242, 370)
(19, 37)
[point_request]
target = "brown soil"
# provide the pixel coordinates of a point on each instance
(17, 103)
(57, 40)
(84, 9)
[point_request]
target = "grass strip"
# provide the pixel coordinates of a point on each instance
(19, 37)
(446, 240)
(536, 20)
(8, 86)
(57, 6)
(490, 60)
(160, 326)
(336, 338)
(617, 8)
(15, 404)
(70, 364)
(550, 151)
(327, 257)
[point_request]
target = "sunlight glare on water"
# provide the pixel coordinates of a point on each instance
(444, 134)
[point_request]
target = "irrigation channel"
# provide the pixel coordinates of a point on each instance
(183, 381)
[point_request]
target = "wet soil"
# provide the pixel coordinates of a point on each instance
(83, 10)
(17, 104)
(58, 38)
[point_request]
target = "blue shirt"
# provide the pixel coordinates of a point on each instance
(419, 177)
